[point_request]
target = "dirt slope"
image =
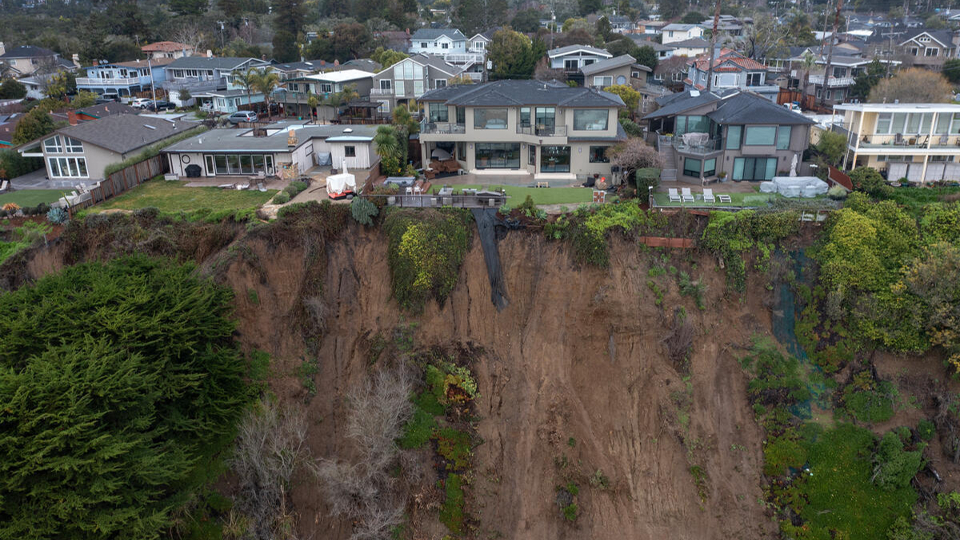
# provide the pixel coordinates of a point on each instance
(574, 378)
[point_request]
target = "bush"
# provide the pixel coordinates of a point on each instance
(893, 466)
(926, 429)
(291, 191)
(363, 211)
(281, 198)
(868, 180)
(57, 216)
(121, 383)
(868, 400)
(451, 511)
(837, 193)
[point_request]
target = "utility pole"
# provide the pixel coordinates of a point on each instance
(153, 87)
(826, 72)
(713, 46)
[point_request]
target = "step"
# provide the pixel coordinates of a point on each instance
(668, 174)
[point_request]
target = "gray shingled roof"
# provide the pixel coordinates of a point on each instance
(678, 103)
(642, 41)
(436, 62)
(203, 62)
(943, 36)
(693, 43)
(560, 51)
(434, 33)
(748, 108)
(233, 140)
(522, 92)
(27, 51)
(125, 132)
(610, 63)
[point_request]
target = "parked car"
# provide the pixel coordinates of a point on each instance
(242, 116)
(139, 103)
(157, 106)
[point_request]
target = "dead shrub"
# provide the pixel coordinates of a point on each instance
(679, 340)
(364, 491)
(270, 447)
(317, 311)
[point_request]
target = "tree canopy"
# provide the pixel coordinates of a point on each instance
(914, 85)
(513, 55)
(119, 382)
(33, 125)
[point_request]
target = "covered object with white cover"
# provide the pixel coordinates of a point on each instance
(341, 185)
(796, 186)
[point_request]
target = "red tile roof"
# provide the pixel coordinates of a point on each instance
(727, 55)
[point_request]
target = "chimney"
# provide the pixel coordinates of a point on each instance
(263, 57)
(209, 53)
(96, 63)
(323, 63)
(72, 118)
(291, 138)
(336, 63)
(75, 57)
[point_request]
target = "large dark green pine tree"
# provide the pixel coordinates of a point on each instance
(118, 383)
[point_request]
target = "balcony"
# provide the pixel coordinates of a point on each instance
(93, 81)
(195, 85)
(706, 146)
(463, 58)
(442, 128)
(543, 131)
(897, 142)
(834, 82)
(381, 91)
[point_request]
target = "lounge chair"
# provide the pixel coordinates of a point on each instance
(708, 195)
(687, 195)
(4, 185)
(724, 198)
(674, 195)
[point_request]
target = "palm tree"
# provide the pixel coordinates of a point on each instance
(245, 80)
(389, 150)
(313, 101)
(809, 61)
(266, 82)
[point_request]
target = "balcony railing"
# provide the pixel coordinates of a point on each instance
(543, 131)
(463, 58)
(194, 85)
(833, 81)
(706, 147)
(381, 91)
(442, 127)
(93, 81)
(897, 141)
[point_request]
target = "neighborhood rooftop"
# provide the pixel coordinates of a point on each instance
(234, 140)
(125, 132)
(522, 92)
(612, 63)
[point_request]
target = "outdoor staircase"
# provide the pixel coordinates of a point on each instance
(669, 157)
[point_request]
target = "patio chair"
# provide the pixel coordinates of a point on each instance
(724, 198)
(708, 195)
(687, 195)
(898, 139)
(943, 140)
(674, 195)
(4, 185)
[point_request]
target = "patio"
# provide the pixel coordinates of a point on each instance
(742, 195)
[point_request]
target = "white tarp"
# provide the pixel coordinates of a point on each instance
(338, 183)
(796, 186)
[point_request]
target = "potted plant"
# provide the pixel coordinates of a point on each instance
(904, 182)
(723, 176)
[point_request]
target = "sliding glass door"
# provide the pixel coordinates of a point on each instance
(754, 169)
(497, 155)
(555, 159)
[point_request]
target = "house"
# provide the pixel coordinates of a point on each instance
(918, 141)
(296, 92)
(663, 51)
(167, 49)
(691, 48)
(681, 32)
(573, 57)
(929, 48)
(843, 73)
(731, 70)
(545, 129)
(404, 82)
(288, 148)
(396, 40)
(622, 70)
(198, 74)
(36, 86)
(27, 60)
(736, 134)
(81, 152)
(671, 73)
(294, 70)
(124, 79)
(650, 28)
(621, 24)
(438, 41)
(727, 25)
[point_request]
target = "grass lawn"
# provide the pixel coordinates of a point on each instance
(171, 196)
(572, 196)
(737, 199)
(31, 197)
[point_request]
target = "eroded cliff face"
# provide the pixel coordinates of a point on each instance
(575, 377)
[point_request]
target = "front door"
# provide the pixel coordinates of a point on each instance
(211, 168)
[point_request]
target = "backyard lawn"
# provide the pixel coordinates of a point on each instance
(171, 196)
(31, 197)
(517, 194)
(736, 199)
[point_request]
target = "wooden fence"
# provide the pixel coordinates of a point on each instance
(807, 102)
(118, 182)
(839, 177)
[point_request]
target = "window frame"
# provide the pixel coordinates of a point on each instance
(691, 172)
(481, 118)
(772, 130)
(602, 157)
(349, 151)
(584, 126)
(55, 148)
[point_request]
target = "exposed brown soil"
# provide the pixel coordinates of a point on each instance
(574, 377)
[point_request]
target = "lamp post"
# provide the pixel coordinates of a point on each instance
(650, 196)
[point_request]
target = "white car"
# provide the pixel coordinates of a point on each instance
(140, 103)
(793, 107)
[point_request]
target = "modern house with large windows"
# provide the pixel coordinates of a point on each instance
(80, 153)
(917, 141)
(731, 70)
(705, 136)
(404, 82)
(546, 129)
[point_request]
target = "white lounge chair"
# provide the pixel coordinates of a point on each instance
(674, 195)
(724, 198)
(4, 185)
(708, 195)
(687, 195)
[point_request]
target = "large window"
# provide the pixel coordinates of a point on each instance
(754, 79)
(555, 159)
(72, 145)
(461, 115)
(401, 88)
(754, 169)
(489, 118)
(68, 167)
(438, 112)
(710, 167)
(498, 155)
(760, 136)
(598, 154)
(691, 167)
(692, 124)
(349, 151)
(385, 84)
(546, 117)
(242, 164)
(905, 123)
(783, 138)
(524, 116)
(733, 137)
(417, 88)
(603, 81)
(590, 119)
